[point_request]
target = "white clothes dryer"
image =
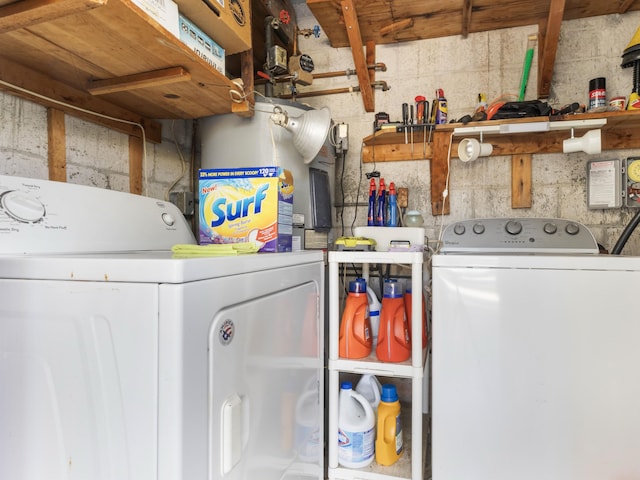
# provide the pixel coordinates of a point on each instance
(119, 361)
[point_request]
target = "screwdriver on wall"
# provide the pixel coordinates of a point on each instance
(405, 120)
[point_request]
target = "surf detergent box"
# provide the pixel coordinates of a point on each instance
(253, 204)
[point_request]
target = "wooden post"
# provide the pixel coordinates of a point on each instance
(440, 172)
(521, 181)
(57, 145)
(136, 164)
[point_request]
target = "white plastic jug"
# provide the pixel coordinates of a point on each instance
(374, 313)
(307, 433)
(356, 429)
(370, 388)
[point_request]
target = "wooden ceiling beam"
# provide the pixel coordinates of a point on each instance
(359, 60)
(466, 17)
(625, 6)
(549, 35)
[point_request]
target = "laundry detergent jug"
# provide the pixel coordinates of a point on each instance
(356, 429)
(394, 341)
(355, 338)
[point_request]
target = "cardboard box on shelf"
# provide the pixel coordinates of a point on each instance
(228, 22)
(252, 204)
(192, 36)
(165, 12)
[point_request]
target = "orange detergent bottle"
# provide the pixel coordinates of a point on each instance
(394, 341)
(408, 309)
(355, 328)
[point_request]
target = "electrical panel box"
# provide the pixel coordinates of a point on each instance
(631, 181)
(613, 183)
(604, 184)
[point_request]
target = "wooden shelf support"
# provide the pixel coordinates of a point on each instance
(355, 40)
(139, 80)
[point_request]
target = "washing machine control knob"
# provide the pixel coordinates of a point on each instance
(478, 228)
(458, 229)
(168, 219)
(513, 227)
(572, 229)
(550, 228)
(22, 206)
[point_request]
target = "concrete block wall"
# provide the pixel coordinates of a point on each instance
(96, 156)
(488, 62)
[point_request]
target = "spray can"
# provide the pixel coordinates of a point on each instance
(393, 206)
(356, 429)
(408, 307)
(389, 431)
(381, 212)
(394, 341)
(597, 92)
(371, 214)
(439, 108)
(634, 101)
(355, 327)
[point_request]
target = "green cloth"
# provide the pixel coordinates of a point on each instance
(213, 250)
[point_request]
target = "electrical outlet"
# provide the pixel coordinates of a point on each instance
(185, 201)
(403, 197)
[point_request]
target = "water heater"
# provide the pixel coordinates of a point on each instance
(231, 141)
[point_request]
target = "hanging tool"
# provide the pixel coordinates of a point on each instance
(405, 120)
(411, 126)
(528, 58)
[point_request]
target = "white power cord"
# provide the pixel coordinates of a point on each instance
(100, 115)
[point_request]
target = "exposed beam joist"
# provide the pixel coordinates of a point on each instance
(625, 6)
(549, 36)
(359, 60)
(466, 17)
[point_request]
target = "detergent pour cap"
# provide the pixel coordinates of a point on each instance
(392, 289)
(359, 285)
(389, 393)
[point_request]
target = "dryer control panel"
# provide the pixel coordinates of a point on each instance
(42, 217)
(518, 235)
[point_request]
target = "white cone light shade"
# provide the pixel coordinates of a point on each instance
(309, 131)
(590, 142)
(470, 149)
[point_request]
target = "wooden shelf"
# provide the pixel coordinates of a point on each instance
(621, 131)
(61, 48)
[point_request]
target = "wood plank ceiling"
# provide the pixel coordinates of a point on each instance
(354, 23)
(392, 21)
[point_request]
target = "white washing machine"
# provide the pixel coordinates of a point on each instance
(119, 361)
(536, 354)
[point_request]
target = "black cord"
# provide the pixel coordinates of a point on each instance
(344, 158)
(626, 233)
(355, 212)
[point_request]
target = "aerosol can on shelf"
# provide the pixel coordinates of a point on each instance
(439, 108)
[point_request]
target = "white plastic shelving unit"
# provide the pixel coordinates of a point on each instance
(411, 463)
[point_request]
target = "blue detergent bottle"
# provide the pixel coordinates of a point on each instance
(371, 214)
(393, 206)
(381, 213)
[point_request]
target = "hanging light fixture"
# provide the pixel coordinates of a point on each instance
(309, 130)
(590, 142)
(469, 149)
